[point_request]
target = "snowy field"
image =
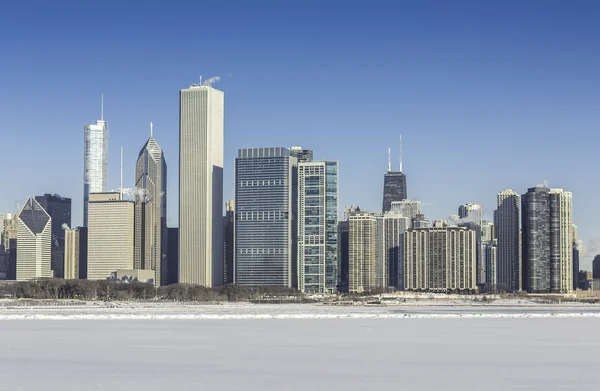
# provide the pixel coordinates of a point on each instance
(129, 346)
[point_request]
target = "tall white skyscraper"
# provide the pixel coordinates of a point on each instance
(201, 111)
(95, 160)
(34, 237)
(561, 226)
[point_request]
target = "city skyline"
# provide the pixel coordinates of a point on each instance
(516, 101)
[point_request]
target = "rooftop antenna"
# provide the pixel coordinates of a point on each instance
(389, 161)
(102, 109)
(121, 187)
(400, 153)
(150, 129)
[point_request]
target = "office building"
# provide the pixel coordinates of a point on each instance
(266, 197)
(419, 221)
(34, 238)
(343, 256)
(173, 254)
(110, 235)
(507, 228)
(317, 227)
(228, 244)
(150, 251)
(547, 241)
(407, 208)
(394, 184)
(596, 268)
(365, 273)
(440, 259)
(575, 269)
(201, 109)
(95, 160)
(83, 252)
(71, 262)
(59, 209)
(489, 254)
(9, 231)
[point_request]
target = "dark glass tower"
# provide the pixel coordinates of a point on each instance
(59, 209)
(394, 189)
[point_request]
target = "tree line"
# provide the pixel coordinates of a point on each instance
(55, 288)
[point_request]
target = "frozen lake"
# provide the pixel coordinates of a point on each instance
(558, 353)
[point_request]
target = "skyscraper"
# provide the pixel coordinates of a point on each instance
(110, 235)
(596, 267)
(394, 184)
(471, 216)
(34, 237)
(547, 240)
(363, 252)
(317, 226)
(575, 258)
(59, 209)
(201, 111)
(440, 259)
(407, 208)
(228, 245)
(507, 227)
(266, 227)
(71, 263)
(95, 160)
(150, 251)
(391, 241)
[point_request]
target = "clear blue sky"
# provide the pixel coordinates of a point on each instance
(487, 95)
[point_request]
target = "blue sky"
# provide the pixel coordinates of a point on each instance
(487, 95)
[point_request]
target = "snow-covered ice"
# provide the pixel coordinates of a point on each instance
(435, 348)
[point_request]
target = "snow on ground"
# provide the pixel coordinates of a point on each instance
(121, 310)
(298, 354)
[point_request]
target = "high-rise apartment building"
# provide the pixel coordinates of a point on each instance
(440, 259)
(302, 155)
(471, 216)
(59, 209)
(150, 251)
(95, 160)
(10, 231)
(201, 115)
(392, 227)
(266, 227)
(489, 254)
(71, 263)
(364, 265)
(547, 240)
(34, 237)
(317, 226)
(228, 245)
(110, 235)
(507, 228)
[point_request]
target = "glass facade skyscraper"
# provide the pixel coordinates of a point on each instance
(95, 162)
(59, 209)
(394, 189)
(266, 193)
(317, 227)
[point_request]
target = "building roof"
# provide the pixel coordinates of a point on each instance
(34, 216)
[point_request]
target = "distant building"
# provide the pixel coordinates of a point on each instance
(419, 221)
(471, 216)
(128, 276)
(394, 185)
(83, 252)
(547, 240)
(34, 237)
(201, 116)
(9, 230)
(344, 255)
(317, 226)
(407, 208)
(393, 226)
(575, 258)
(489, 256)
(303, 155)
(266, 198)
(173, 254)
(59, 209)
(95, 160)
(596, 267)
(440, 259)
(228, 245)
(150, 251)
(507, 226)
(71, 262)
(110, 235)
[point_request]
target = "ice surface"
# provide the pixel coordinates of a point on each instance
(432, 348)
